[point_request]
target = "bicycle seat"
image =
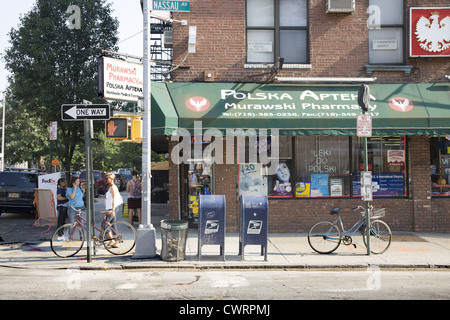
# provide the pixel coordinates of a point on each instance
(335, 210)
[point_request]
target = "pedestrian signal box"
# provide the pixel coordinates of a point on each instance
(117, 128)
(136, 129)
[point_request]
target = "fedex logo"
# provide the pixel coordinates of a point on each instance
(48, 181)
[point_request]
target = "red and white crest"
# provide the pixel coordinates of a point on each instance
(401, 104)
(430, 32)
(198, 104)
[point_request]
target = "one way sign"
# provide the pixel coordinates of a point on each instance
(74, 112)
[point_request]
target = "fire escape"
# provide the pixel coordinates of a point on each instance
(161, 50)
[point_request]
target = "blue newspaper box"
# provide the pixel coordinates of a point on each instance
(254, 223)
(211, 223)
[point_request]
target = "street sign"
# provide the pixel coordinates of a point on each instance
(172, 5)
(78, 112)
(364, 125)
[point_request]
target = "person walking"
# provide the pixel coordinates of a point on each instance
(134, 196)
(113, 201)
(62, 204)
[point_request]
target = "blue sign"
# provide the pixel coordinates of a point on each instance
(319, 184)
(384, 184)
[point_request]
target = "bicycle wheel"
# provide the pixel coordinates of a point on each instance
(67, 241)
(324, 237)
(380, 237)
(119, 237)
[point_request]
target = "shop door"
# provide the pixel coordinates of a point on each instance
(200, 176)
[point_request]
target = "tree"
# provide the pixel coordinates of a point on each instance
(53, 61)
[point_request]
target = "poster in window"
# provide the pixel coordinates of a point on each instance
(251, 180)
(396, 157)
(336, 187)
(280, 184)
(319, 185)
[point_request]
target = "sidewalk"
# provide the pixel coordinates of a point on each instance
(407, 250)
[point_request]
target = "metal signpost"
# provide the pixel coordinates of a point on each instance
(146, 234)
(86, 113)
(364, 103)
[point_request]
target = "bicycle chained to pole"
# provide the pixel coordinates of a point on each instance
(325, 236)
(118, 237)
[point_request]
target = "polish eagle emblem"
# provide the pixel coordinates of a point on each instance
(198, 104)
(432, 35)
(401, 104)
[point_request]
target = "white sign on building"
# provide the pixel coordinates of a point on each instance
(120, 80)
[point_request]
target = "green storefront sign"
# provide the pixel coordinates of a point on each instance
(313, 109)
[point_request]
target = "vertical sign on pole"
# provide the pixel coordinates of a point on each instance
(53, 137)
(364, 103)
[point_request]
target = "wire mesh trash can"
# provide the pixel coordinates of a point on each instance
(173, 237)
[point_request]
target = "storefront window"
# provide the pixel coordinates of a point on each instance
(387, 162)
(321, 166)
(440, 166)
(330, 166)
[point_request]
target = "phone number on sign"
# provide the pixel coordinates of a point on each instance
(294, 114)
(259, 114)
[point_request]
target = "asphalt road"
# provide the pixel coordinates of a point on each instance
(224, 285)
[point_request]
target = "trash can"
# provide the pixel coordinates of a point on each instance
(173, 237)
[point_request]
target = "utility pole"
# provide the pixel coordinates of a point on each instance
(146, 233)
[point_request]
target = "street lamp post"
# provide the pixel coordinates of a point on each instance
(146, 234)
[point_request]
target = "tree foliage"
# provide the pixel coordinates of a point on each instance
(52, 64)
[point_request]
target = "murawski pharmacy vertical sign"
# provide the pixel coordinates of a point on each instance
(120, 80)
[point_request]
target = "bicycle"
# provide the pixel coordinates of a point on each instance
(325, 236)
(118, 237)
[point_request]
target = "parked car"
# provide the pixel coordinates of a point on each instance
(17, 190)
(100, 181)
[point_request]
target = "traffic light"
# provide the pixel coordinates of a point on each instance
(136, 129)
(117, 128)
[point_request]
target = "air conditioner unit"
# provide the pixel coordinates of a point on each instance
(168, 39)
(340, 6)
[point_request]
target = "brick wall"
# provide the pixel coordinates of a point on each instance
(419, 212)
(338, 48)
(339, 45)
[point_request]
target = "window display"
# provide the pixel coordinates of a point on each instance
(322, 166)
(440, 166)
(387, 161)
(330, 166)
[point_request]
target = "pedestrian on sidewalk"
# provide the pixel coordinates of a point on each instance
(62, 203)
(75, 194)
(113, 201)
(134, 196)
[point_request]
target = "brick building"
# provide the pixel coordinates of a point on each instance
(235, 79)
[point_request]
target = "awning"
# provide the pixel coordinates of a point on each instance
(312, 109)
(164, 118)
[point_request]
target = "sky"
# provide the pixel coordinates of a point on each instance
(128, 12)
